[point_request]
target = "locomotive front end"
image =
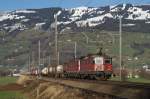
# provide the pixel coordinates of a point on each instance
(103, 66)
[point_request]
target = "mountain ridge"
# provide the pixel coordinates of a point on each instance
(134, 18)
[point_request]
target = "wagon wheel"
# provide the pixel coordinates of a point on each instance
(101, 78)
(92, 77)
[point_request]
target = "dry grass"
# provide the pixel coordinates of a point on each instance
(48, 90)
(37, 89)
(22, 79)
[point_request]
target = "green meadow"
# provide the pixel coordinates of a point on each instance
(10, 94)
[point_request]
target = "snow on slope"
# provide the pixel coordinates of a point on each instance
(80, 17)
(138, 14)
(10, 17)
(13, 15)
(39, 25)
(16, 26)
(25, 11)
(94, 21)
(78, 12)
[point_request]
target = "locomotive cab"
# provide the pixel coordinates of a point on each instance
(98, 62)
(102, 63)
(103, 66)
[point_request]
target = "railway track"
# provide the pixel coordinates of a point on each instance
(102, 88)
(100, 94)
(84, 90)
(118, 83)
(109, 82)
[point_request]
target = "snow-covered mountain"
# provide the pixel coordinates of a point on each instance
(135, 18)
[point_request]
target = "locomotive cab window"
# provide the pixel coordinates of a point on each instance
(108, 61)
(93, 61)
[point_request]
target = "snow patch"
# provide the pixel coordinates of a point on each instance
(79, 11)
(138, 14)
(124, 6)
(16, 26)
(74, 18)
(115, 9)
(93, 21)
(148, 22)
(7, 16)
(128, 25)
(25, 11)
(100, 12)
(82, 23)
(10, 17)
(58, 13)
(25, 20)
(39, 25)
(65, 23)
(111, 7)
(19, 17)
(81, 8)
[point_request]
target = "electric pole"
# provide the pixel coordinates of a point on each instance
(49, 60)
(75, 50)
(3, 35)
(120, 52)
(33, 61)
(39, 45)
(58, 55)
(29, 64)
(56, 40)
(87, 38)
(43, 58)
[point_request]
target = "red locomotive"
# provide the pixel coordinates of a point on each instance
(94, 66)
(97, 66)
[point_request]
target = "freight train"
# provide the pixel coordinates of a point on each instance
(93, 66)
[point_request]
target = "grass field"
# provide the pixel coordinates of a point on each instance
(142, 80)
(10, 94)
(7, 80)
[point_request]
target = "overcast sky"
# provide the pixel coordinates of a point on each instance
(24, 4)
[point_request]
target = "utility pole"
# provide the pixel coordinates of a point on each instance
(56, 39)
(33, 61)
(39, 45)
(58, 58)
(49, 60)
(87, 38)
(3, 35)
(120, 52)
(113, 37)
(29, 64)
(75, 50)
(43, 60)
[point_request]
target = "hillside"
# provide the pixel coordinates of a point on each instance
(22, 29)
(15, 51)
